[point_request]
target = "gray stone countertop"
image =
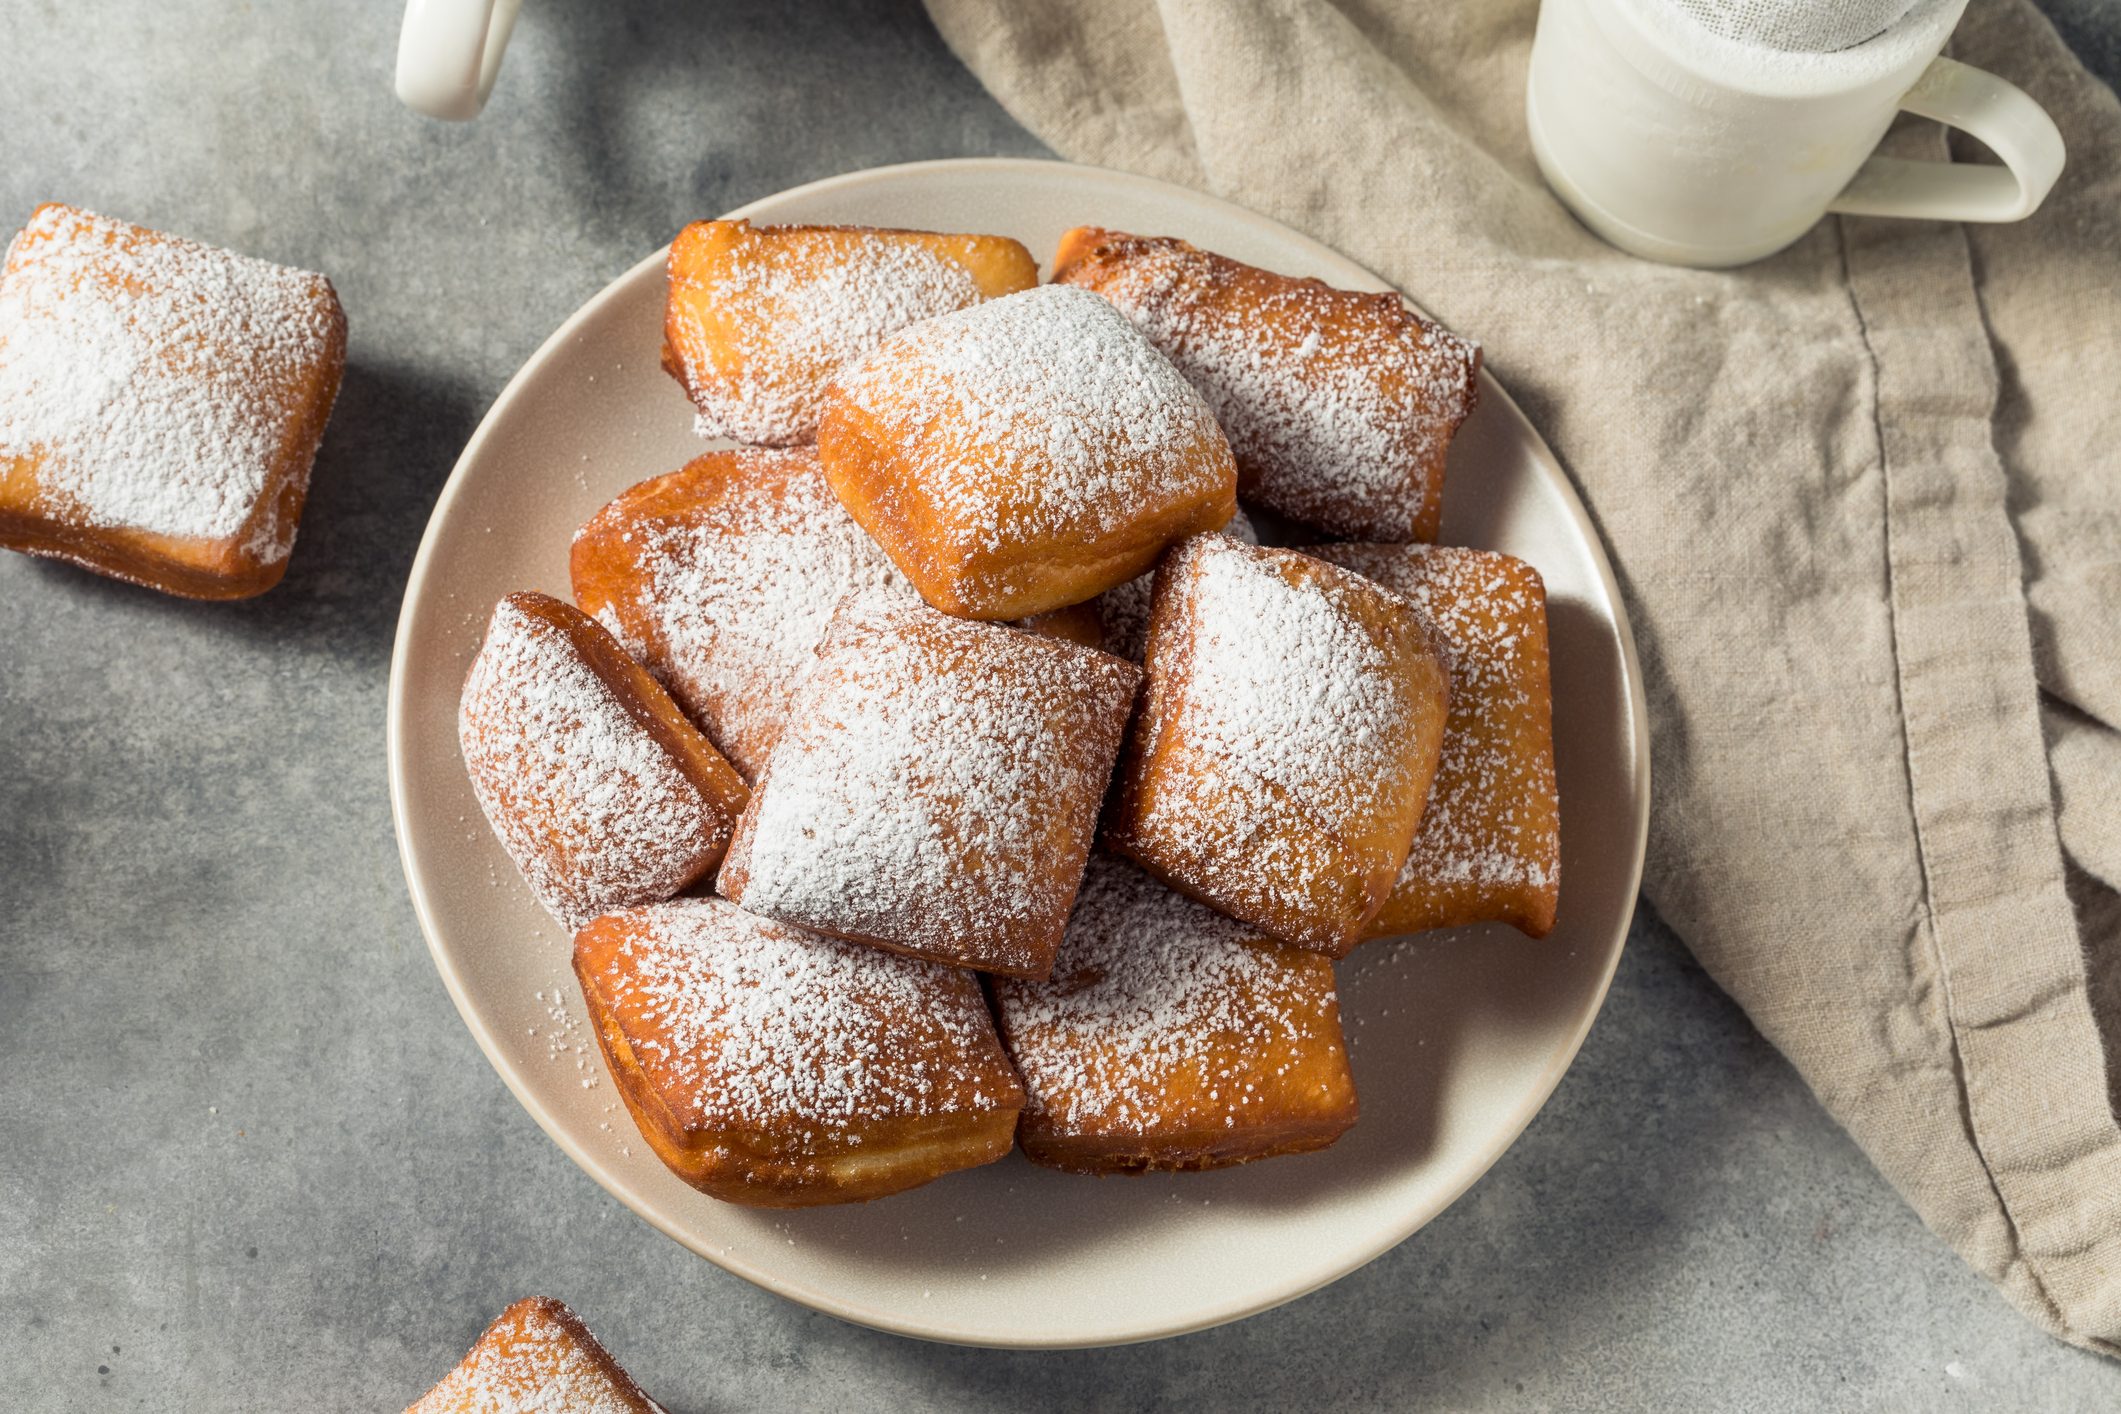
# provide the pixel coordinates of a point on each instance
(249, 1157)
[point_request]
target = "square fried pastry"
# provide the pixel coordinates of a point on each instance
(1489, 844)
(1024, 454)
(778, 1068)
(936, 787)
(721, 577)
(1291, 722)
(160, 403)
(1340, 405)
(1172, 1037)
(599, 789)
(760, 317)
(536, 1358)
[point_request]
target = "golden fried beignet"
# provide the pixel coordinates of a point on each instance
(760, 317)
(1080, 624)
(936, 787)
(1123, 610)
(1024, 454)
(1489, 845)
(721, 577)
(160, 403)
(1172, 1037)
(778, 1068)
(1291, 723)
(598, 788)
(536, 1358)
(1339, 405)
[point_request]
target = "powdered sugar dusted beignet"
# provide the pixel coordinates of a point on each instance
(160, 403)
(1291, 723)
(1024, 454)
(760, 317)
(778, 1068)
(1339, 405)
(1172, 1037)
(721, 577)
(536, 1358)
(1489, 845)
(1123, 610)
(599, 789)
(935, 788)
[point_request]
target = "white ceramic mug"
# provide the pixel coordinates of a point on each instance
(1681, 145)
(449, 52)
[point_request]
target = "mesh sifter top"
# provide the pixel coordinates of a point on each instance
(1797, 26)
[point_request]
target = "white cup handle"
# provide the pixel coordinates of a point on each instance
(449, 52)
(1999, 113)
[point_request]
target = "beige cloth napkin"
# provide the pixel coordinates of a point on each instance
(1865, 499)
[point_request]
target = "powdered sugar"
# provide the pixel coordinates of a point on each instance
(588, 804)
(1163, 1015)
(160, 385)
(536, 1359)
(799, 305)
(742, 1023)
(1340, 406)
(727, 595)
(935, 787)
(1489, 842)
(1041, 416)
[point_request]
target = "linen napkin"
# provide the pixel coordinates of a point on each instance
(1865, 501)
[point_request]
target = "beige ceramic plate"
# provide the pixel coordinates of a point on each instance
(1457, 1038)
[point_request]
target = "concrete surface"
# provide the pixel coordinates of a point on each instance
(249, 1158)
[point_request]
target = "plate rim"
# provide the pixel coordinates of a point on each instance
(398, 711)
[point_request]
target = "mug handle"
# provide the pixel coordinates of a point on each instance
(1997, 112)
(449, 52)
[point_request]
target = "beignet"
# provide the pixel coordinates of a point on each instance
(1289, 728)
(1172, 1037)
(936, 787)
(1339, 405)
(782, 1069)
(721, 577)
(1024, 454)
(759, 318)
(160, 403)
(536, 1358)
(596, 785)
(1489, 844)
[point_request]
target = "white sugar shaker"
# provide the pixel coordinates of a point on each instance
(1715, 132)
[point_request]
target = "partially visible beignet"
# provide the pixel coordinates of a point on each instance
(1489, 845)
(1123, 610)
(721, 577)
(1024, 454)
(777, 1068)
(536, 1358)
(597, 786)
(759, 318)
(161, 402)
(1339, 405)
(1289, 728)
(936, 787)
(1172, 1037)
